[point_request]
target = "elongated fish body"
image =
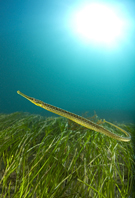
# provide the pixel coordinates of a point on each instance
(78, 119)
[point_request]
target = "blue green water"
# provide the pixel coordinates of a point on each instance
(43, 58)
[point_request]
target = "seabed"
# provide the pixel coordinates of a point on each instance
(52, 157)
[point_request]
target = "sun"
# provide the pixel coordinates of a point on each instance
(98, 23)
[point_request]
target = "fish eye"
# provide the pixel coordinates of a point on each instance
(32, 99)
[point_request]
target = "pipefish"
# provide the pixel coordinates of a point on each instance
(78, 119)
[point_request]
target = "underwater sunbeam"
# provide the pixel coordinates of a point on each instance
(100, 23)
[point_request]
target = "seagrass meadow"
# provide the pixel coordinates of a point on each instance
(52, 157)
